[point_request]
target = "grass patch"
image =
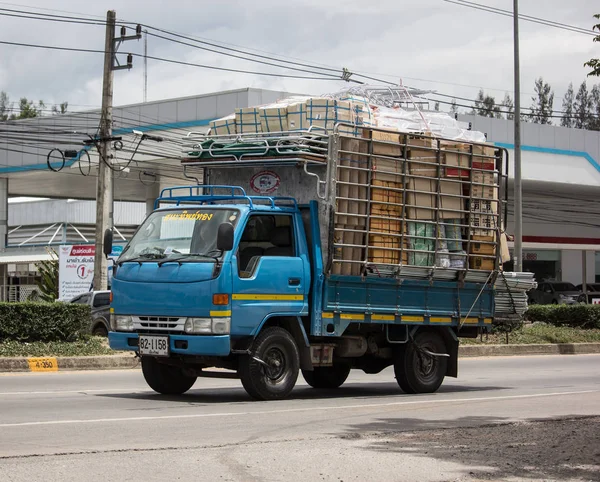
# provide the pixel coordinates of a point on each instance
(538, 333)
(94, 345)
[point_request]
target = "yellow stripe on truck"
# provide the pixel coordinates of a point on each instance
(257, 297)
(220, 313)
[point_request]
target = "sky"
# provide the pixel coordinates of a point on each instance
(429, 44)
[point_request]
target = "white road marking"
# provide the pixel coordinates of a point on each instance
(292, 410)
(83, 390)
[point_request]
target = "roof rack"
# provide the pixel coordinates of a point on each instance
(206, 194)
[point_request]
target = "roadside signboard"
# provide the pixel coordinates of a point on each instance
(76, 269)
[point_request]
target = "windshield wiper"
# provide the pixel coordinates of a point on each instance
(179, 259)
(143, 257)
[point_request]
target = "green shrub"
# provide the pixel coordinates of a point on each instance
(576, 316)
(46, 322)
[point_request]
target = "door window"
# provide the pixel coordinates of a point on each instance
(265, 235)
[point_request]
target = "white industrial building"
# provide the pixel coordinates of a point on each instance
(561, 182)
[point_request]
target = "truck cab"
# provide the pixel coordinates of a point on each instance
(197, 283)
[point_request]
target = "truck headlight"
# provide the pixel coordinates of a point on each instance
(221, 326)
(208, 326)
(198, 325)
(121, 322)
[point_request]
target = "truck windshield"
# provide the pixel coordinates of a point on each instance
(178, 232)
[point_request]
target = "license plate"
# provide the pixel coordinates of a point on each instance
(154, 345)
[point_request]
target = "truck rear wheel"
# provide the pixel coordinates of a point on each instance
(271, 369)
(327, 377)
(165, 379)
(418, 372)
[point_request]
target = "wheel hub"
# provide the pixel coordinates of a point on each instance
(275, 364)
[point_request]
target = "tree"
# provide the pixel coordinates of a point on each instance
(567, 107)
(61, 109)
(508, 105)
(582, 108)
(5, 106)
(485, 106)
(595, 117)
(28, 110)
(48, 285)
(594, 64)
(541, 109)
(453, 108)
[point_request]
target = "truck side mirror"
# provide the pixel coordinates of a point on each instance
(107, 245)
(225, 237)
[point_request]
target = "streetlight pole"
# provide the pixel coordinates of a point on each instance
(518, 248)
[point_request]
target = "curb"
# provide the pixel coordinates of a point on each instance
(125, 362)
(541, 349)
(70, 363)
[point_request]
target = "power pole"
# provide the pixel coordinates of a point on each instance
(518, 248)
(104, 186)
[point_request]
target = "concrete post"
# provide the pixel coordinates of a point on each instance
(3, 212)
(3, 233)
(152, 192)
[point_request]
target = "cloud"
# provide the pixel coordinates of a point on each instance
(441, 44)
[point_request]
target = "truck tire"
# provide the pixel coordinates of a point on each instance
(271, 369)
(165, 379)
(327, 377)
(418, 372)
(100, 330)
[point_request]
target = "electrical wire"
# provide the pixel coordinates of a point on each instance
(528, 18)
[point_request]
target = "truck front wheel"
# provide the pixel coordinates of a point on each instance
(271, 369)
(327, 377)
(165, 379)
(417, 370)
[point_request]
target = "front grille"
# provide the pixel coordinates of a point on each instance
(167, 323)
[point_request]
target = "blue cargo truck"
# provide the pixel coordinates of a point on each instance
(315, 254)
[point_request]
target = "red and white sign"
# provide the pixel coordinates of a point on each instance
(595, 301)
(75, 270)
(265, 182)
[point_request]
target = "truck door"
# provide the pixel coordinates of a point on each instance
(271, 278)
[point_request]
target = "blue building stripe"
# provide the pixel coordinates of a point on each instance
(551, 150)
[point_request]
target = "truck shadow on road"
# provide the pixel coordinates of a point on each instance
(567, 448)
(371, 391)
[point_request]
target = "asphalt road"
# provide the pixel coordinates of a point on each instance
(108, 425)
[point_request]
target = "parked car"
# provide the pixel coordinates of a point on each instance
(556, 293)
(99, 302)
(592, 292)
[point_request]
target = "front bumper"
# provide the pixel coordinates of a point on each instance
(207, 345)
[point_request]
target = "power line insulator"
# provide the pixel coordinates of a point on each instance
(123, 31)
(129, 60)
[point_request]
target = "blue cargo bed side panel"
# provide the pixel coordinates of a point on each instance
(406, 298)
